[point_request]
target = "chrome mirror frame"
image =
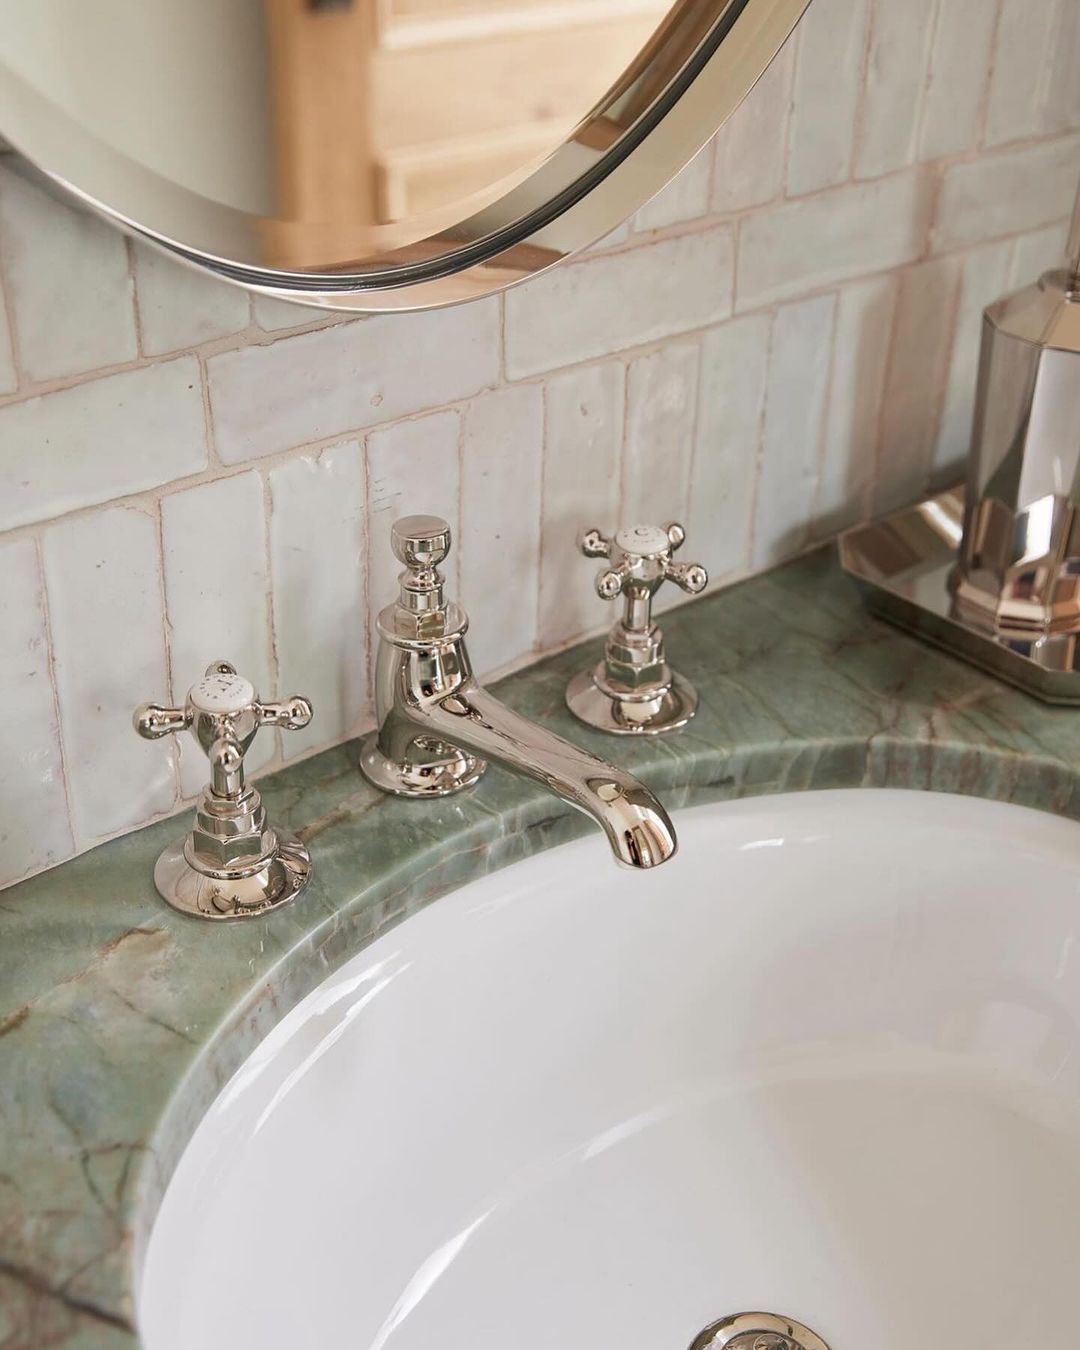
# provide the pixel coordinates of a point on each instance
(699, 66)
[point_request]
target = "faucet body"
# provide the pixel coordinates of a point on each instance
(437, 727)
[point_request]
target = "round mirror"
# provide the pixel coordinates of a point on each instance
(374, 154)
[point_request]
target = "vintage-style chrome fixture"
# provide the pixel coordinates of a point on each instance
(233, 864)
(437, 727)
(633, 691)
(993, 572)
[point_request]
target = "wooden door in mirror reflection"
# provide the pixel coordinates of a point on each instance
(388, 113)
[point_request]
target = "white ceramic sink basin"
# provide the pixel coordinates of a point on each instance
(825, 1063)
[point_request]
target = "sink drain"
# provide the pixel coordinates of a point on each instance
(757, 1331)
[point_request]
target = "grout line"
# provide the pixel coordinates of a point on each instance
(136, 308)
(255, 337)
(540, 519)
(858, 131)
(50, 660)
(371, 607)
(869, 493)
(1046, 66)
(886, 381)
(363, 562)
(815, 513)
(759, 452)
(693, 431)
(502, 379)
(146, 497)
(243, 340)
(695, 435)
(271, 619)
(542, 583)
(21, 379)
(940, 387)
(784, 190)
(983, 119)
(918, 127)
(213, 459)
(621, 456)
(166, 627)
(455, 578)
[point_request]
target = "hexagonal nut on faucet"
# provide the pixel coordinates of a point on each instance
(242, 838)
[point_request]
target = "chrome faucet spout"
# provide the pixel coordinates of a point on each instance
(637, 826)
(437, 727)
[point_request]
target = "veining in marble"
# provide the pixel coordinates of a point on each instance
(120, 1020)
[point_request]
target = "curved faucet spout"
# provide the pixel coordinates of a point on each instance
(637, 826)
(437, 726)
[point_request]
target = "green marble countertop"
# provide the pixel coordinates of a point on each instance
(120, 1020)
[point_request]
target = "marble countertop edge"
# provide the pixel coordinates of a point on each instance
(121, 1020)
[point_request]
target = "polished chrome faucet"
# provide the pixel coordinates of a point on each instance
(436, 726)
(633, 691)
(232, 864)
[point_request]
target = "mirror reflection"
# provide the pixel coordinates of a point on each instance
(341, 126)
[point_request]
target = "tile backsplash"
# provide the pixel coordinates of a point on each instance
(783, 342)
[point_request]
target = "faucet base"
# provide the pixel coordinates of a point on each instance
(274, 881)
(434, 770)
(903, 564)
(647, 712)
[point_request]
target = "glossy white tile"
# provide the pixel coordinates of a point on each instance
(275, 315)
(348, 377)
(960, 51)
(499, 566)
(794, 247)
(985, 277)
(9, 378)
(1061, 99)
(731, 394)
(1037, 252)
(825, 97)
(686, 197)
(103, 577)
(98, 441)
(749, 147)
(318, 557)
(896, 72)
(68, 282)
(582, 456)
(864, 325)
(179, 307)
(613, 301)
(661, 407)
(1006, 193)
(799, 355)
(1026, 34)
(34, 828)
(914, 383)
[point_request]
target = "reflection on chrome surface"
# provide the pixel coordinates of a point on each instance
(378, 113)
(368, 136)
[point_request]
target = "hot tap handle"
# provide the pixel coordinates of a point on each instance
(224, 713)
(640, 557)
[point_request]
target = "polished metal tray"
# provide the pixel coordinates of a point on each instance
(902, 564)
